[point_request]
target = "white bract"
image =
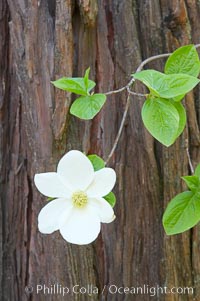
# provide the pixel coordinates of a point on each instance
(79, 207)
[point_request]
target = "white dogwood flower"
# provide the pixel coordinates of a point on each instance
(79, 207)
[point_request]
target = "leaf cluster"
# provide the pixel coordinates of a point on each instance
(88, 104)
(163, 113)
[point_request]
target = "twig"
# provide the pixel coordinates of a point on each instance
(152, 58)
(127, 87)
(135, 93)
(140, 67)
(121, 89)
(115, 91)
(120, 130)
(190, 161)
(155, 57)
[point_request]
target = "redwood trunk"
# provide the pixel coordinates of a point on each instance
(41, 40)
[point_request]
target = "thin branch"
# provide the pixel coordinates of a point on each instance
(140, 67)
(130, 83)
(120, 130)
(115, 91)
(121, 89)
(127, 87)
(151, 58)
(135, 93)
(155, 57)
(190, 161)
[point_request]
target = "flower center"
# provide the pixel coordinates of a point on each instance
(79, 199)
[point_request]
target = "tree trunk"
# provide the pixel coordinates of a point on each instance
(42, 40)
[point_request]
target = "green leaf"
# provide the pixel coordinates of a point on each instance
(77, 85)
(182, 213)
(182, 117)
(197, 171)
(192, 182)
(161, 119)
(96, 161)
(178, 98)
(86, 78)
(183, 60)
(166, 86)
(50, 199)
(110, 198)
(86, 107)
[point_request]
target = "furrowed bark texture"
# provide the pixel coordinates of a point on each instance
(43, 40)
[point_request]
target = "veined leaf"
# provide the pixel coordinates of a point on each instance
(182, 117)
(183, 60)
(77, 85)
(166, 86)
(161, 119)
(178, 98)
(86, 107)
(192, 182)
(182, 213)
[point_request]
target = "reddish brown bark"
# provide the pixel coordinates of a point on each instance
(44, 40)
